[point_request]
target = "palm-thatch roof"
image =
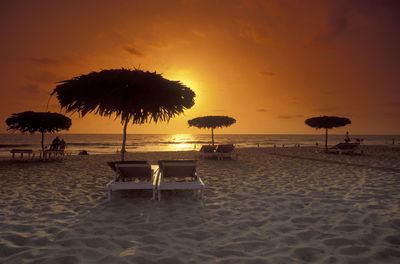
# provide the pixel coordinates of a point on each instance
(134, 96)
(44, 122)
(327, 122)
(212, 121)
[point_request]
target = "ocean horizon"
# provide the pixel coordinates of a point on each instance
(111, 143)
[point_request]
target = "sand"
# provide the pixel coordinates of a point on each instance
(283, 205)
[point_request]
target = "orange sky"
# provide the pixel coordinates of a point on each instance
(269, 64)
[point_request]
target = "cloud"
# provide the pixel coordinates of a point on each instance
(290, 116)
(395, 104)
(44, 77)
(266, 73)
(199, 33)
(332, 92)
(261, 110)
(158, 45)
(30, 88)
(325, 109)
(248, 30)
(45, 61)
(133, 51)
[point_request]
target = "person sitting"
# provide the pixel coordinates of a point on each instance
(62, 145)
(347, 138)
(55, 144)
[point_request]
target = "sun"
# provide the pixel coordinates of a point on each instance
(189, 79)
(186, 77)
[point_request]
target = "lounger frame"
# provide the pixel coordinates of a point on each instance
(117, 184)
(196, 184)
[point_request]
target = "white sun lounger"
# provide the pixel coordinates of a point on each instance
(226, 151)
(132, 175)
(179, 175)
(207, 151)
(346, 148)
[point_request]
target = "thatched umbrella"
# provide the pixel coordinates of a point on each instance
(43, 122)
(327, 122)
(212, 122)
(133, 95)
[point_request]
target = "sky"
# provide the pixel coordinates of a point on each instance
(268, 64)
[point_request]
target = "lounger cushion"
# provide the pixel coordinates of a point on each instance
(225, 148)
(178, 173)
(135, 174)
(112, 163)
(207, 148)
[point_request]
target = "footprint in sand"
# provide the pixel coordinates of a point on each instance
(307, 254)
(353, 250)
(305, 220)
(339, 242)
(394, 240)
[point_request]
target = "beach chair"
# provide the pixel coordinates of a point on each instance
(28, 152)
(226, 151)
(179, 175)
(52, 154)
(207, 151)
(346, 148)
(132, 175)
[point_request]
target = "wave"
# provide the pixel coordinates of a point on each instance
(14, 145)
(91, 144)
(181, 142)
(129, 143)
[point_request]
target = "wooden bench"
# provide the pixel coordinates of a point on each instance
(29, 152)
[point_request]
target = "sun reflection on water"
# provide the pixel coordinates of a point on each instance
(182, 142)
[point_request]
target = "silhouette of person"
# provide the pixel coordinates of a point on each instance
(347, 138)
(55, 144)
(62, 144)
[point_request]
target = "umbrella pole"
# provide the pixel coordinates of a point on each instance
(124, 140)
(212, 136)
(42, 141)
(326, 140)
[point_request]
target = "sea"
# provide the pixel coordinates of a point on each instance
(111, 143)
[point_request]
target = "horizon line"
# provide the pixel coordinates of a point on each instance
(202, 134)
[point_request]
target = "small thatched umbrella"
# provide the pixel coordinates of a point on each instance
(327, 122)
(133, 95)
(43, 122)
(212, 122)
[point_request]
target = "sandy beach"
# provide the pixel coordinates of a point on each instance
(272, 205)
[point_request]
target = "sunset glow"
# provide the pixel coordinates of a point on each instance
(269, 64)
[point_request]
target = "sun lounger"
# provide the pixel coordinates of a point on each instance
(207, 151)
(179, 175)
(132, 175)
(346, 148)
(226, 151)
(28, 152)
